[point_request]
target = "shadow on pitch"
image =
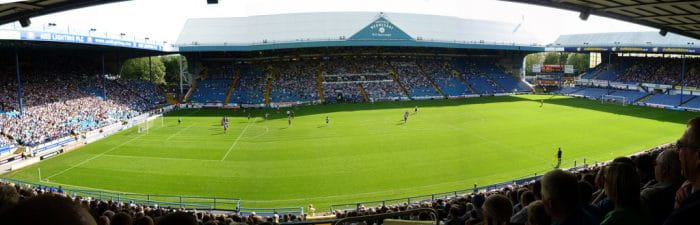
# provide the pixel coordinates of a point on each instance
(259, 114)
(664, 115)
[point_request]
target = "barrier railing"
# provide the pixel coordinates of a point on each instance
(271, 211)
(180, 201)
(443, 195)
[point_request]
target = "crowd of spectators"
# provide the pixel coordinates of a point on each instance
(342, 92)
(653, 70)
(251, 85)
(415, 82)
(56, 105)
(448, 83)
(656, 70)
(50, 205)
(295, 81)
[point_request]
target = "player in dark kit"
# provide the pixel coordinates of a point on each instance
(179, 120)
(558, 157)
(327, 120)
(415, 110)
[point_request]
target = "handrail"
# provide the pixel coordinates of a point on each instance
(379, 218)
(181, 201)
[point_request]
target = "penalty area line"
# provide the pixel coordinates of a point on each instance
(236, 141)
(91, 158)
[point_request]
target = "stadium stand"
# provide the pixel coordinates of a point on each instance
(411, 78)
(664, 99)
(507, 82)
(290, 80)
(61, 99)
(448, 84)
(251, 86)
(294, 82)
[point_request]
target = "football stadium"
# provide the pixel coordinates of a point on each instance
(352, 117)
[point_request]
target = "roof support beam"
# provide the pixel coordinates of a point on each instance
(607, 9)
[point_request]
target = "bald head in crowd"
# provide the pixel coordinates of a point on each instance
(559, 194)
(668, 166)
(689, 152)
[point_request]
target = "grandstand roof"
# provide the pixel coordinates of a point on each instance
(324, 29)
(10, 12)
(649, 39)
(677, 16)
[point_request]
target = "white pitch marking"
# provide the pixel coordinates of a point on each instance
(236, 141)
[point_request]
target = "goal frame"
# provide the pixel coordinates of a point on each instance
(614, 99)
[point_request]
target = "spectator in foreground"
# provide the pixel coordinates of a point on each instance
(8, 197)
(689, 155)
(537, 215)
(497, 210)
(659, 197)
(47, 209)
(526, 199)
(560, 196)
(622, 187)
(178, 218)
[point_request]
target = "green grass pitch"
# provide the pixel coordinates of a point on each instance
(365, 153)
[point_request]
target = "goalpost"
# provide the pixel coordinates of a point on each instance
(614, 99)
(144, 125)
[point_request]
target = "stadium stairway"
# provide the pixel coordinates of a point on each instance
(688, 101)
(319, 82)
(364, 93)
(488, 78)
(201, 76)
(394, 75)
(233, 85)
(422, 72)
(268, 86)
(457, 74)
(644, 99)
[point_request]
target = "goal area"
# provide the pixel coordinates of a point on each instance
(615, 99)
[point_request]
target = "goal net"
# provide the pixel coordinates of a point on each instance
(144, 125)
(615, 99)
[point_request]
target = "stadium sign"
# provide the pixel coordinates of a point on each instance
(74, 38)
(633, 49)
(381, 29)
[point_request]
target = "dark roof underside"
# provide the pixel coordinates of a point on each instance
(11, 12)
(680, 17)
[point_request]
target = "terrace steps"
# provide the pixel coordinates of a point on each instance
(201, 76)
(268, 85)
(461, 78)
(233, 86)
(319, 82)
(686, 101)
(496, 83)
(422, 72)
(642, 99)
(364, 93)
(395, 77)
(449, 68)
